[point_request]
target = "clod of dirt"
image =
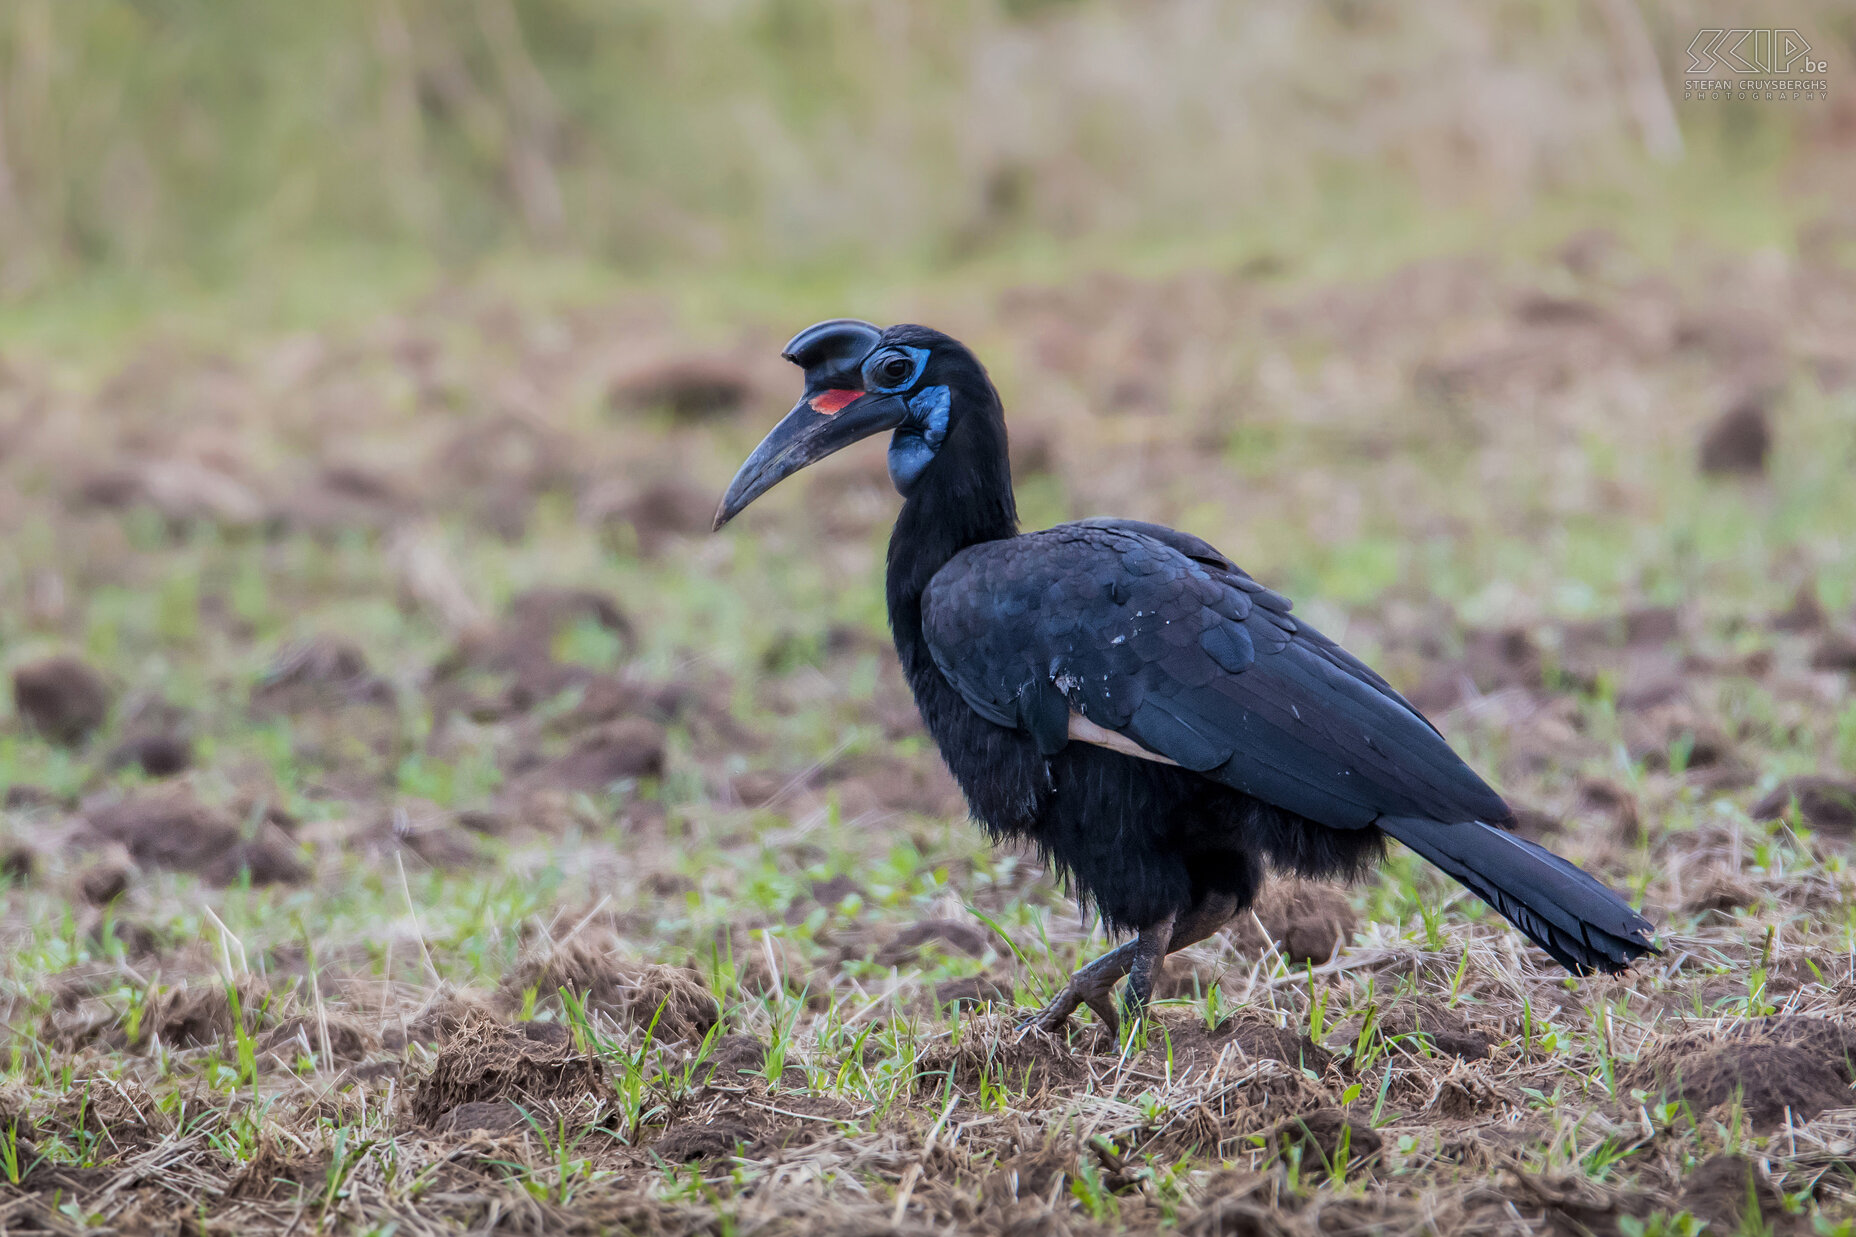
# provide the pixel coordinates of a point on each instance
(159, 755)
(274, 1172)
(689, 388)
(110, 489)
(1774, 1066)
(1536, 308)
(973, 992)
(172, 829)
(1586, 251)
(483, 1062)
(1328, 1140)
(196, 1017)
(1825, 803)
(733, 1056)
(1836, 651)
(1576, 1204)
(759, 787)
(1244, 1038)
(1460, 1099)
(1722, 1190)
(830, 893)
(1805, 613)
(443, 1016)
(720, 1135)
(341, 497)
(185, 491)
(61, 698)
(1306, 920)
(1652, 625)
(501, 464)
(870, 783)
(181, 490)
(1657, 736)
(656, 511)
(1739, 441)
(16, 1120)
(323, 672)
(493, 1117)
(951, 935)
(1231, 1217)
(631, 747)
(373, 1071)
(435, 836)
(1720, 894)
(541, 614)
(522, 649)
(1033, 452)
(21, 797)
(1446, 1029)
(1616, 801)
(303, 1034)
(19, 863)
(1493, 659)
(635, 993)
(990, 1047)
(107, 877)
(1534, 824)
(1259, 1039)
(609, 697)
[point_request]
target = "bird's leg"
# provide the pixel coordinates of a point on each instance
(1150, 950)
(1092, 984)
(1202, 921)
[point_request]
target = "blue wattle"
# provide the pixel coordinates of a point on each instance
(914, 444)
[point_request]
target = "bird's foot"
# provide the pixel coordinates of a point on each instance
(1097, 992)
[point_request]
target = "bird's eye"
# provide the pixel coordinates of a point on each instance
(897, 368)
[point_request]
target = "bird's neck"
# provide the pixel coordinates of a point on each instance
(963, 498)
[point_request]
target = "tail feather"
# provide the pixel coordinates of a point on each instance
(1559, 906)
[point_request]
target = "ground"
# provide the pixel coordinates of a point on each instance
(416, 821)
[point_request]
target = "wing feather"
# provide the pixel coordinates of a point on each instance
(1155, 635)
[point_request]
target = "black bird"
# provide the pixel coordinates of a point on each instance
(1131, 701)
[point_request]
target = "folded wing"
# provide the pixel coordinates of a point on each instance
(1155, 636)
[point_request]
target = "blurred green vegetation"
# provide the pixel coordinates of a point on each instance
(154, 147)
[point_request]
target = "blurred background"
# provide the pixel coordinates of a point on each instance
(174, 140)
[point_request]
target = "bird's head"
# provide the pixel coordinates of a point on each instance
(861, 380)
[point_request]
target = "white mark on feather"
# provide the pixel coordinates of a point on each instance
(1085, 731)
(1119, 640)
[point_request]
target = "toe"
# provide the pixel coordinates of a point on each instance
(1104, 1007)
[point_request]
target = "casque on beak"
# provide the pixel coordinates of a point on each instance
(833, 413)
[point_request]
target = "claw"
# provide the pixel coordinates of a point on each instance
(1096, 995)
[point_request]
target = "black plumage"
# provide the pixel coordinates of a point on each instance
(1126, 698)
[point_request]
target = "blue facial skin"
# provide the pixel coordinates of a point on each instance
(914, 444)
(917, 355)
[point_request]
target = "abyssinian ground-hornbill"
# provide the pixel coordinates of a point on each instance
(1128, 699)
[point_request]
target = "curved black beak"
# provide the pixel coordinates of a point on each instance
(834, 412)
(807, 435)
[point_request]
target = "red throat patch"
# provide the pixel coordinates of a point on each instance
(834, 400)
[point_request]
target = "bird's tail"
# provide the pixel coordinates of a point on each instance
(1561, 908)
